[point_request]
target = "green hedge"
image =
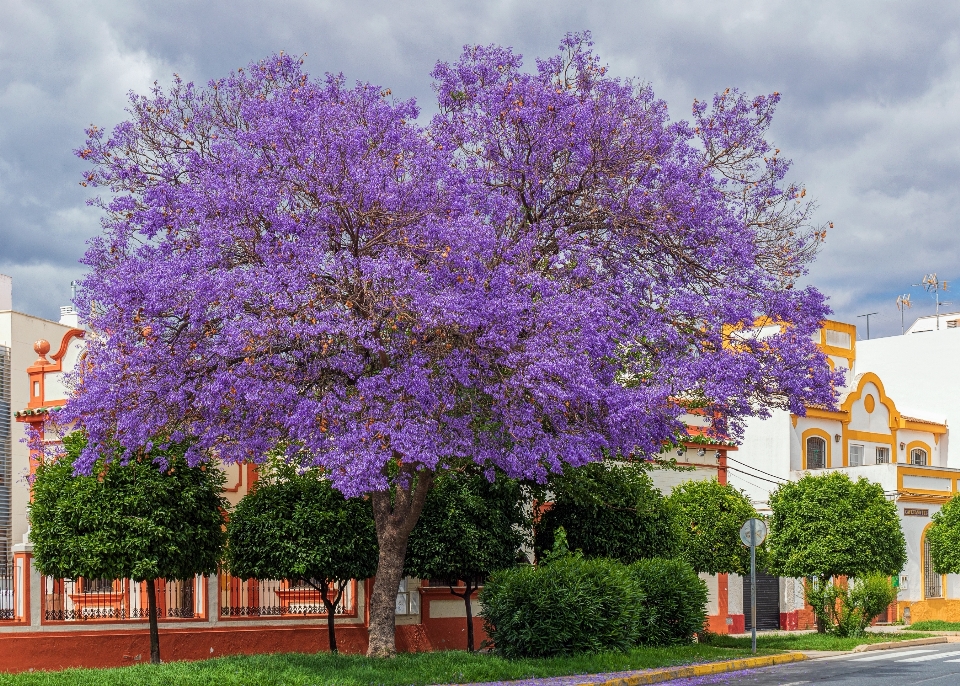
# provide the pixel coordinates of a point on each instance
(574, 605)
(562, 607)
(675, 601)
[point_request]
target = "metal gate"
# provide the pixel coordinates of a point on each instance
(768, 602)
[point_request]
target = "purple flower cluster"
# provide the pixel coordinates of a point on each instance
(548, 271)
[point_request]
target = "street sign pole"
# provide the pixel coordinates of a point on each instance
(753, 533)
(753, 584)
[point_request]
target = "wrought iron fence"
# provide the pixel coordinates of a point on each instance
(7, 598)
(276, 598)
(67, 600)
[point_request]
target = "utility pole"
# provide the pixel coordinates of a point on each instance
(868, 321)
(903, 303)
(931, 284)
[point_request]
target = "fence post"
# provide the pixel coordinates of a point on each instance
(213, 597)
(23, 591)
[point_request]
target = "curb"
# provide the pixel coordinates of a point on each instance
(887, 645)
(660, 675)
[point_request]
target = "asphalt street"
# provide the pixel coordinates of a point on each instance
(930, 665)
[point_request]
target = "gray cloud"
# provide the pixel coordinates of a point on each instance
(869, 114)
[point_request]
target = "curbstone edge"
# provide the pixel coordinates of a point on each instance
(660, 675)
(887, 645)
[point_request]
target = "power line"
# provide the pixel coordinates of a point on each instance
(754, 476)
(757, 470)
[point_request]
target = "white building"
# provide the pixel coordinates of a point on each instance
(18, 332)
(890, 427)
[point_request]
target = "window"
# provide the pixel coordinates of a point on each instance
(856, 455)
(98, 586)
(408, 599)
(838, 339)
(816, 453)
(883, 455)
(918, 456)
(932, 587)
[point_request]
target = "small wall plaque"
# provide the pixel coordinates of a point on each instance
(914, 512)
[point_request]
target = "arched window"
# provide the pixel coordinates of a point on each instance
(816, 453)
(932, 586)
(918, 456)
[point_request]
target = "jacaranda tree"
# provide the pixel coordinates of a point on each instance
(529, 280)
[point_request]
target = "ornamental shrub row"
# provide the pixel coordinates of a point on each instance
(571, 604)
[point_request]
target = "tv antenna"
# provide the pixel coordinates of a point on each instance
(903, 303)
(868, 315)
(932, 284)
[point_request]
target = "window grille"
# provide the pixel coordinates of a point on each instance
(918, 456)
(883, 455)
(856, 455)
(816, 453)
(932, 583)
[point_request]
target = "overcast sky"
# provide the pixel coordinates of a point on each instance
(870, 111)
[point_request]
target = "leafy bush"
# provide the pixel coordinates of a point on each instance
(848, 610)
(944, 537)
(564, 606)
(674, 601)
(609, 509)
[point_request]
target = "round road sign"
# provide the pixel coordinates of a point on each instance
(759, 532)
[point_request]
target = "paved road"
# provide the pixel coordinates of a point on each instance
(931, 665)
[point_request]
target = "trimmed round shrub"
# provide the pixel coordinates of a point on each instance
(674, 601)
(563, 607)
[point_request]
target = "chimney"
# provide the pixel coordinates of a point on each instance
(6, 292)
(69, 316)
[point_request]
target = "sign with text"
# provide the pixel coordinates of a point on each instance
(915, 512)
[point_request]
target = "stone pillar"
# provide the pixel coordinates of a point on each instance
(27, 584)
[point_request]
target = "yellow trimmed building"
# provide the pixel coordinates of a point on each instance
(869, 435)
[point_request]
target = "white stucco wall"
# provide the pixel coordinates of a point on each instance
(19, 332)
(766, 447)
(920, 370)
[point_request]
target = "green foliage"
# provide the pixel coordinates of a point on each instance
(674, 601)
(566, 606)
(135, 520)
(608, 509)
(296, 526)
(805, 641)
(469, 528)
(406, 669)
(825, 526)
(846, 611)
(707, 519)
(944, 537)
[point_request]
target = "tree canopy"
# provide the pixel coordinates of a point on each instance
(527, 281)
(829, 525)
(944, 537)
(470, 527)
(608, 509)
(707, 518)
(296, 526)
(141, 516)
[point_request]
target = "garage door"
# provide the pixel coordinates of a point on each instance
(768, 602)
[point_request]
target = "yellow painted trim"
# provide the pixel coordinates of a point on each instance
(936, 429)
(871, 377)
(820, 413)
(943, 577)
(933, 472)
(809, 433)
(917, 444)
(794, 418)
(911, 497)
(658, 676)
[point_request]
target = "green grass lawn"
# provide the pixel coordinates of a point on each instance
(405, 670)
(810, 641)
(936, 625)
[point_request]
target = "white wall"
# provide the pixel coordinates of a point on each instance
(19, 332)
(920, 370)
(766, 447)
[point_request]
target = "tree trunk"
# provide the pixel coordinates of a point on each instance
(331, 609)
(396, 513)
(154, 629)
(467, 603)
